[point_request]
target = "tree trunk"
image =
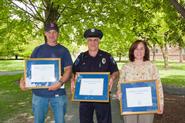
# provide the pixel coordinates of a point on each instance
(178, 7)
(119, 57)
(51, 13)
(153, 52)
(16, 57)
(164, 51)
(180, 55)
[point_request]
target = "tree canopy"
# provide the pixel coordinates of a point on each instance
(159, 22)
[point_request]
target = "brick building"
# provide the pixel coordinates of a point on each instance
(173, 53)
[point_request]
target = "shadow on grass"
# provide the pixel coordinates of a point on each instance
(13, 101)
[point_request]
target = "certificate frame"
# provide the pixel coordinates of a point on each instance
(31, 63)
(91, 98)
(152, 85)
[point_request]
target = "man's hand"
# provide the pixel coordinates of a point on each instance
(64, 78)
(22, 84)
(55, 86)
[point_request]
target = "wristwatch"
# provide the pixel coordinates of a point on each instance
(61, 82)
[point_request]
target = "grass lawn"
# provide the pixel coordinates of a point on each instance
(174, 75)
(12, 100)
(11, 65)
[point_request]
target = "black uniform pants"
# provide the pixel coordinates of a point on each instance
(103, 112)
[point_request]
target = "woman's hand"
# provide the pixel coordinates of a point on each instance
(118, 95)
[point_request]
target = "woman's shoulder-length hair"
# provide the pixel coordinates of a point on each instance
(134, 46)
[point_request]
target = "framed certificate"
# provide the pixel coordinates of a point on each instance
(91, 87)
(139, 97)
(42, 72)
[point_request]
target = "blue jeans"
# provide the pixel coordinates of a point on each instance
(40, 108)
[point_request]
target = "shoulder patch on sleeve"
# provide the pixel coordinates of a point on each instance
(79, 58)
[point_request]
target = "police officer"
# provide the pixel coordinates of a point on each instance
(95, 60)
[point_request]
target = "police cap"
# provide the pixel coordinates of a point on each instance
(93, 33)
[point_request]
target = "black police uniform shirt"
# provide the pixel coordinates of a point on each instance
(102, 62)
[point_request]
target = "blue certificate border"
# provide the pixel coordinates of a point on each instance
(139, 110)
(38, 61)
(90, 98)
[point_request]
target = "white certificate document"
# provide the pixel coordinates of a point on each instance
(139, 97)
(43, 73)
(91, 86)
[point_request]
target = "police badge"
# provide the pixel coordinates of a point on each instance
(92, 30)
(103, 60)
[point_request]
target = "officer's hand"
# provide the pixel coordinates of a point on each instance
(110, 84)
(73, 79)
(22, 84)
(55, 86)
(72, 85)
